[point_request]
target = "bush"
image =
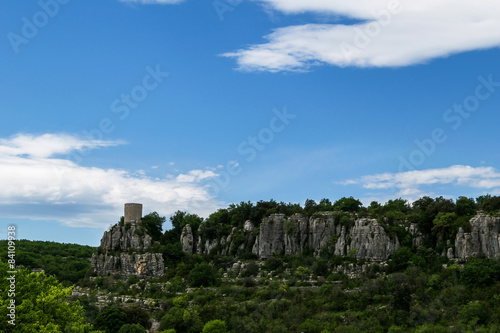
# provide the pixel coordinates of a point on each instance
(132, 328)
(249, 282)
(137, 315)
(215, 326)
(480, 272)
(251, 269)
(110, 319)
(202, 275)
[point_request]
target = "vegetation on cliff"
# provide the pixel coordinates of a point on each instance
(419, 289)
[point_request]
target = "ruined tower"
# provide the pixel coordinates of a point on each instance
(133, 213)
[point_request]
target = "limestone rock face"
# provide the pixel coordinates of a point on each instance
(293, 235)
(187, 239)
(117, 253)
(417, 237)
(248, 226)
(371, 241)
(296, 233)
(123, 238)
(143, 265)
(321, 230)
(484, 238)
(271, 237)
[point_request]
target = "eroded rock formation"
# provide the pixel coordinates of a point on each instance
(483, 239)
(124, 249)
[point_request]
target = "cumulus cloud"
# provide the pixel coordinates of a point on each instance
(411, 184)
(392, 33)
(38, 183)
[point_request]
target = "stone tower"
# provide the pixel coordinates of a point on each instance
(133, 213)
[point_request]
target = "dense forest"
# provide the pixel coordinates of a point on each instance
(416, 290)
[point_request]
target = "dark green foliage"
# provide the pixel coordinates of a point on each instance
(251, 269)
(347, 204)
(68, 262)
(137, 315)
(153, 225)
(273, 263)
(202, 275)
(481, 272)
(132, 328)
(490, 204)
(400, 259)
(215, 326)
(110, 319)
(310, 207)
(465, 207)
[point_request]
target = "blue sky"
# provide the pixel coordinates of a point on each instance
(192, 105)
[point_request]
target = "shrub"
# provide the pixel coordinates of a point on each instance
(251, 269)
(110, 319)
(480, 272)
(215, 326)
(202, 275)
(132, 328)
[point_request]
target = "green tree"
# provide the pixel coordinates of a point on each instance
(132, 328)
(153, 224)
(215, 326)
(41, 304)
(480, 272)
(444, 225)
(137, 315)
(465, 206)
(348, 204)
(181, 317)
(111, 319)
(202, 275)
(491, 204)
(400, 259)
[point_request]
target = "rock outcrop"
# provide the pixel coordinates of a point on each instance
(483, 239)
(124, 249)
(123, 238)
(370, 241)
(278, 234)
(340, 234)
(142, 265)
(187, 239)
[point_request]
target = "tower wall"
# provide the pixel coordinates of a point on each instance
(133, 212)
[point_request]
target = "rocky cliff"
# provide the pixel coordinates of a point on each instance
(124, 249)
(483, 238)
(123, 238)
(144, 265)
(363, 238)
(277, 234)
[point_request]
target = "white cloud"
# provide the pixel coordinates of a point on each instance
(48, 145)
(37, 185)
(416, 32)
(410, 184)
(155, 2)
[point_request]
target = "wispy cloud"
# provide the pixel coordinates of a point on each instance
(48, 145)
(37, 183)
(413, 32)
(413, 184)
